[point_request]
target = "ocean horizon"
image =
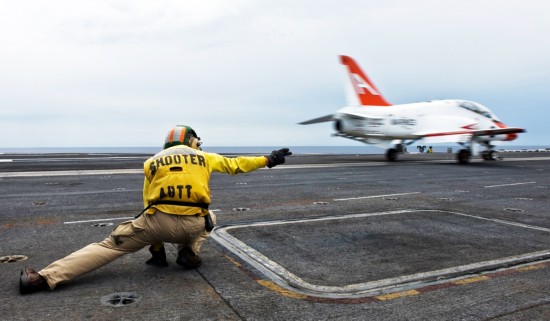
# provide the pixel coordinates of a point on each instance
(249, 149)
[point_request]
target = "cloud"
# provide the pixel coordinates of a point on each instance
(245, 72)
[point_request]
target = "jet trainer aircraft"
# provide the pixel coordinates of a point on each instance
(369, 118)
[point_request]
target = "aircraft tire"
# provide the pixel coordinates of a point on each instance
(490, 155)
(493, 155)
(391, 155)
(463, 156)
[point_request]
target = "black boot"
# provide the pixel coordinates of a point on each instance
(188, 259)
(159, 257)
(30, 281)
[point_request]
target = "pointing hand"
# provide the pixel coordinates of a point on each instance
(277, 157)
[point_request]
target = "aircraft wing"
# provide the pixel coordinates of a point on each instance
(498, 131)
(318, 120)
(476, 133)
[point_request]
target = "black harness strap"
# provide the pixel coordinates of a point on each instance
(204, 206)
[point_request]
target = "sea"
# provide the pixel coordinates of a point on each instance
(260, 150)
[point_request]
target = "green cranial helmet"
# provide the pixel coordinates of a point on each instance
(180, 135)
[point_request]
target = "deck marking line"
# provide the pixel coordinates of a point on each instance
(282, 291)
(511, 184)
(471, 280)
(374, 196)
(397, 295)
(72, 173)
(100, 220)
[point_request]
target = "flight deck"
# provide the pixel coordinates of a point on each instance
(323, 237)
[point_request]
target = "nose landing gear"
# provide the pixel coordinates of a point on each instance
(490, 155)
(464, 155)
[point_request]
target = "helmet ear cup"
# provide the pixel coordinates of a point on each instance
(194, 142)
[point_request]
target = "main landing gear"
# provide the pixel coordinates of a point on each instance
(463, 156)
(391, 154)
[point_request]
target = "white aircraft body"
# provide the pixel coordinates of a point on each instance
(370, 119)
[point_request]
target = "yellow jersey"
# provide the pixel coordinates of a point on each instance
(179, 177)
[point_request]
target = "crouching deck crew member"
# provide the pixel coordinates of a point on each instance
(176, 196)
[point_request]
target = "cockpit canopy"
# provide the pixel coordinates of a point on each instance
(477, 108)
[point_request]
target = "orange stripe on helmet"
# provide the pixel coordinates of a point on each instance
(182, 134)
(171, 139)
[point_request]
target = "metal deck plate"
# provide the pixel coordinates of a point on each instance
(359, 255)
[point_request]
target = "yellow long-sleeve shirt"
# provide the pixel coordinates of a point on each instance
(182, 174)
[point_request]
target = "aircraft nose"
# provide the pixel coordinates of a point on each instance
(510, 137)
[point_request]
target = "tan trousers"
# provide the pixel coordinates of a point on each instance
(129, 237)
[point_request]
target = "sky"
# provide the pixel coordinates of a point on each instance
(112, 73)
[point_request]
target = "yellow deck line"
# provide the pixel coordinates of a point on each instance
(472, 280)
(282, 291)
(397, 295)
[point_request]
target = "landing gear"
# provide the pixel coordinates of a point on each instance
(463, 156)
(490, 155)
(391, 154)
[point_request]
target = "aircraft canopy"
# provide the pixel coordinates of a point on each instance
(478, 108)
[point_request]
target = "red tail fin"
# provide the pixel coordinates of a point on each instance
(366, 91)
